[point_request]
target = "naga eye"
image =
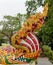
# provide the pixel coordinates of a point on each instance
(24, 51)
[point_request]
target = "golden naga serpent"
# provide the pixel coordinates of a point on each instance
(24, 40)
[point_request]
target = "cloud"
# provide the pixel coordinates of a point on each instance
(12, 7)
(40, 9)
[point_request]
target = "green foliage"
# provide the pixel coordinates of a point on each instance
(46, 33)
(46, 48)
(2, 40)
(48, 52)
(10, 25)
(32, 5)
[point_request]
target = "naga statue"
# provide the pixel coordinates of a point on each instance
(25, 41)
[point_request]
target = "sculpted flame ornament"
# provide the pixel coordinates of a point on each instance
(25, 41)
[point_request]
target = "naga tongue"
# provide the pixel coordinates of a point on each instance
(41, 20)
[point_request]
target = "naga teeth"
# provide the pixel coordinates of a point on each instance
(23, 56)
(25, 60)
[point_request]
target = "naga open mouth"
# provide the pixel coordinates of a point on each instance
(27, 57)
(21, 58)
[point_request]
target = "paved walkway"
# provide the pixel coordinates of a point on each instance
(44, 61)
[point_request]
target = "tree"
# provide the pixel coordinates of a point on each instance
(1, 39)
(46, 33)
(32, 5)
(10, 25)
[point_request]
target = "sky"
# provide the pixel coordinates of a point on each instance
(12, 7)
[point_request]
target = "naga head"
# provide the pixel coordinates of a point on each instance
(25, 41)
